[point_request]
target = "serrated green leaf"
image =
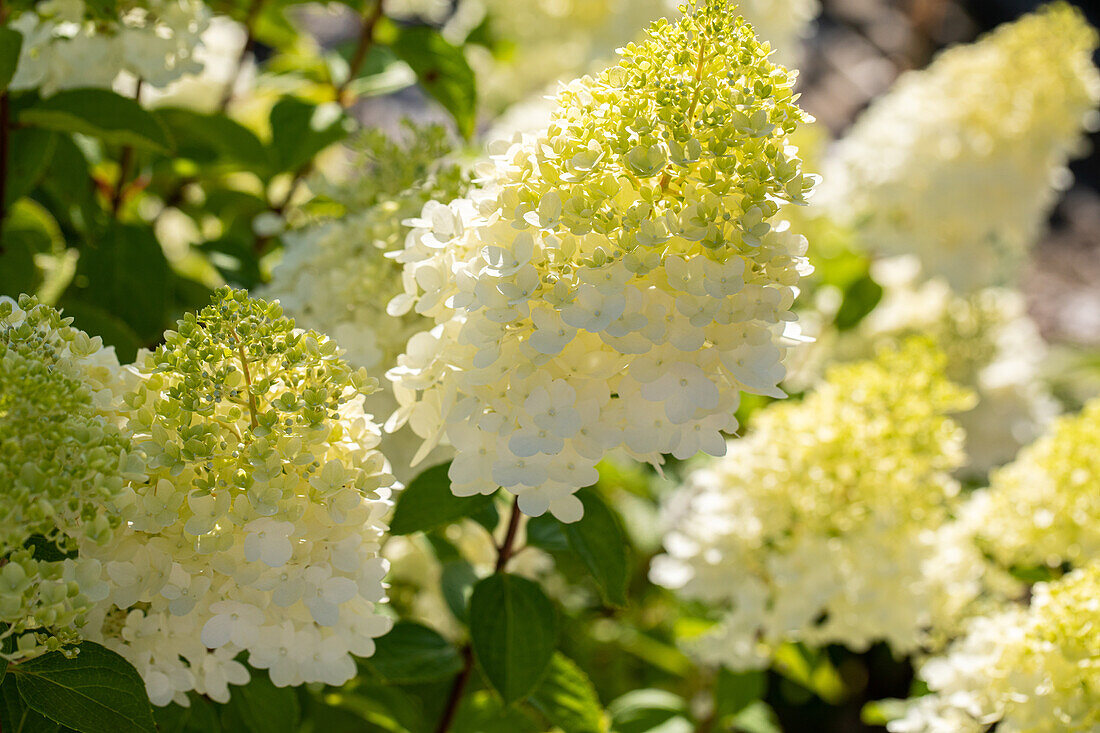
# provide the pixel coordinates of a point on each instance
(599, 540)
(264, 708)
(96, 692)
(513, 631)
(428, 503)
(300, 130)
(11, 43)
(567, 698)
(99, 113)
(442, 70)
(412, 653)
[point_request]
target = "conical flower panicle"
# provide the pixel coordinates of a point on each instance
(618, 280)
(259, 528)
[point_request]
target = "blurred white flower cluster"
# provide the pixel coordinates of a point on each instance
(66, 46)
(548, 40)
(960, 163)
(1033, 670)
(831, 522)
(617, 283)
(992, 348)
(259, 527)
(1044, 507)
(63, 459)
(335, 276)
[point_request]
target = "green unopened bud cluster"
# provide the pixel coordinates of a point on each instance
(63, 460)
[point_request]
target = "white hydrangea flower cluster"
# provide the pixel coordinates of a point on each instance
(1033, 670)
(961, 162)
(619, 283)
(335, 276)
(65, 46)
(1044, 507)
(259, 528)
(992, 345)
(63, 459)
(830, 523)
(218, 54)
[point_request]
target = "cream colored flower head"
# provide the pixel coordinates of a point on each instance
(1001, 116)
(63, 460)
(619, 280)
(258, 530)
(1043, 509)
(1024, 670)
(830, 522)
(69, 44)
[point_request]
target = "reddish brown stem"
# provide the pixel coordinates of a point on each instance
(504, 552)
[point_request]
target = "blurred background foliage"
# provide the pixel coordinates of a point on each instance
(127, 206)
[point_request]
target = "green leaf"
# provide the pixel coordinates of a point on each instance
(11, 43)
(199, 717)
(756, 718)
(441, 69)
(881, 712)
(513, 631)
(488, 516)
(210, 138)
(457, 582)
(546, 533)
(96, 692)
(568, 699)
(126, 274)
(30, 150)
(412, 653)
(599, 540)
(811, 669)
(235, 259)
(300, 130)
(67, 188)
(16, 717)
(264, 708)
(735, 691)
(481, 712)
(99, 113)
(428, 503)
(650, 711)
(18, 273)
(860, 298)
